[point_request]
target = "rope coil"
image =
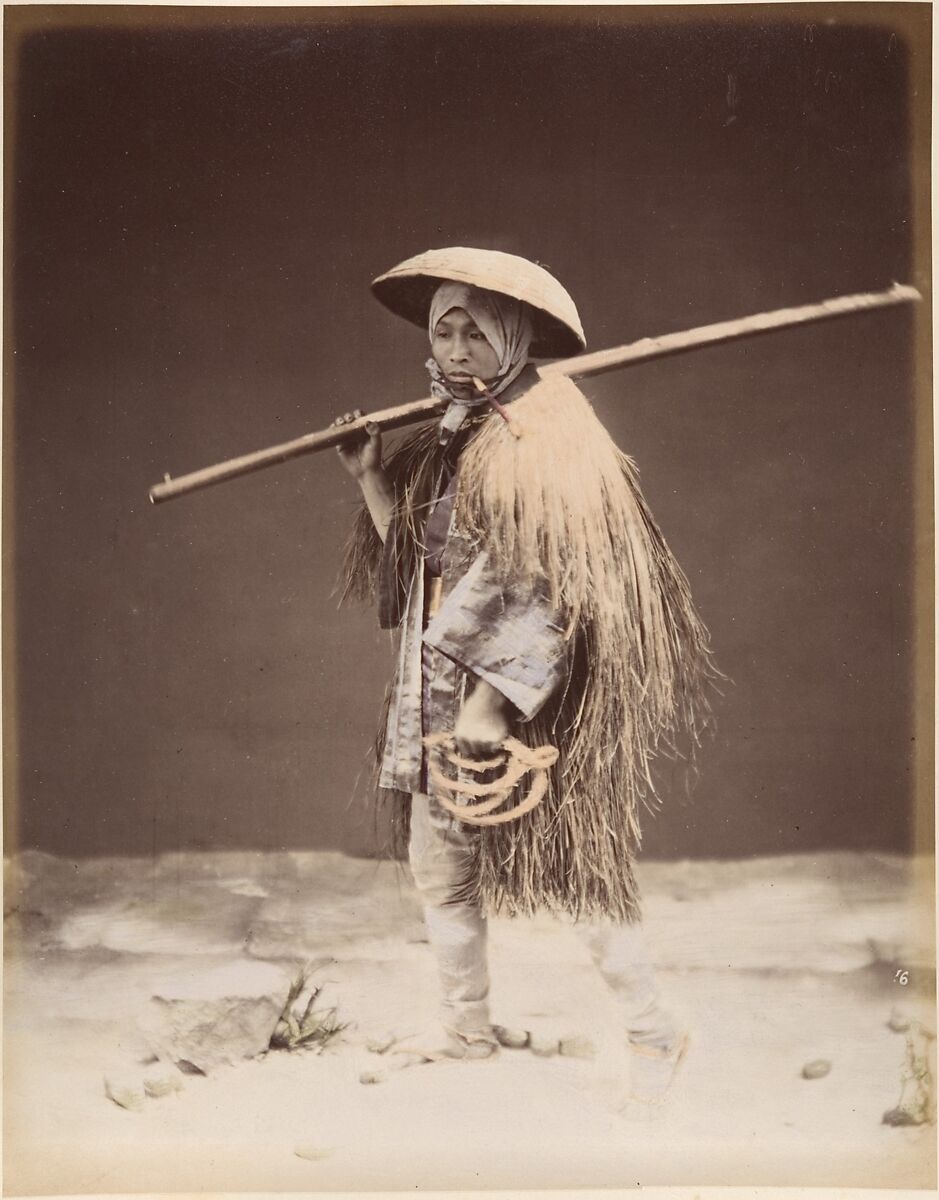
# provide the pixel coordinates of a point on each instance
(516, 759)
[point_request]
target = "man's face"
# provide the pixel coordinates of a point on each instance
(461, 351)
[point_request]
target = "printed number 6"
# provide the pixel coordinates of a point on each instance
(902, 977)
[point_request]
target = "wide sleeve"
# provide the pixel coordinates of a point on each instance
(510, 637)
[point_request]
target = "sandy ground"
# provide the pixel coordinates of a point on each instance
(771, 962)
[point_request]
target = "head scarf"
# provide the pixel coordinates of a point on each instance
(505, 324)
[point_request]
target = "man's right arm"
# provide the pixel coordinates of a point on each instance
(362, 459)
(379, 498)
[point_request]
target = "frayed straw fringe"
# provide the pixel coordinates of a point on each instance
(412, 466)
(562, 504)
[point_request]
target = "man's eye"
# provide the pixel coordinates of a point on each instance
(441, 333)
(477, 336)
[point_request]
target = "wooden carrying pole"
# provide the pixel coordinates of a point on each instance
(578, 367)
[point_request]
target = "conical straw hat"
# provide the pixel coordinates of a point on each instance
(408, 288)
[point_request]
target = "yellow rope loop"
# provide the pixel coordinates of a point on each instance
(540, 758)
(517, 759)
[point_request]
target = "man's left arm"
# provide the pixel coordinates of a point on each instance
(509, 638)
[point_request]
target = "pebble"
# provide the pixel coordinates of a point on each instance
(512, 1039)
(372, 1077)
(189, 1068)
(544, 1047)
(126, 1093)
(157, 1086)
(818, 1068)
(378, 1045)
(576, 1046)
(902, 1116)
(312, 1153)
(899, 1021)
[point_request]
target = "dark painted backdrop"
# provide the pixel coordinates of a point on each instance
(196, 202)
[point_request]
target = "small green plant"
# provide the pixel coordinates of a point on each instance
(917, 1103)
(311, 1029)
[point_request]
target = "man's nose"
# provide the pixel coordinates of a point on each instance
(459, 349)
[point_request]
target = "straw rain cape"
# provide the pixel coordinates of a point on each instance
(560, 508)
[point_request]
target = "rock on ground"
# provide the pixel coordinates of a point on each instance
(217, 1016)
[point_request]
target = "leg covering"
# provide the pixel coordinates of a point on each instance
(439, 853)
(619, 952)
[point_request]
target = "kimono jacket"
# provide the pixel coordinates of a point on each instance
(483, 627)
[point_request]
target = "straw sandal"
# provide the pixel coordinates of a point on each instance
(449, 1045)
(651, 1075)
